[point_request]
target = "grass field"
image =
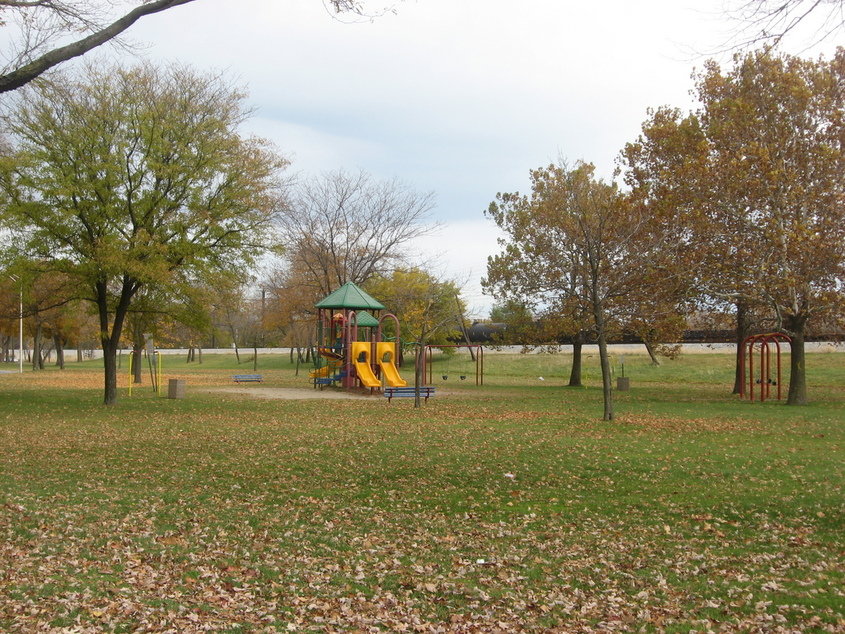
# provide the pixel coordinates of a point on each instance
(509, 507)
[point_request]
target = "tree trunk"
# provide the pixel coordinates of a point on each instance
(199, 354)
(37, 359)
(78, 352)
(605, 376)
(598, 315)
(797, 368)
(255, 357)
(110, 365)
(110, 337)
(743, 329)
(650, 349)
(60, 351)
(575, 374)
(137, 364)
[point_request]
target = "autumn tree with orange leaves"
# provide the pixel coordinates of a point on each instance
(757, 173)
(578, 241)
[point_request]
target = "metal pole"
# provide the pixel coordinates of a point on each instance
(765, 368)
(751, 371)
(20, 333)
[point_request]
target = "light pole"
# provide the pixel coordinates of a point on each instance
(20, 324)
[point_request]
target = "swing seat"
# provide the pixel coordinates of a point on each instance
(444, 377)
(463, 377)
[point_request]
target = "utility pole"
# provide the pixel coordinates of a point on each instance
(461, 323)
(20, 323)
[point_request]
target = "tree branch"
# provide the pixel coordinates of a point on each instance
(26, 73)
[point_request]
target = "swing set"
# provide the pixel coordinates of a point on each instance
(764, 343)
(475, 351)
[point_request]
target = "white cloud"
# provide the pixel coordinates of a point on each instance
(458, 251)
(458, 97)
(313, 150)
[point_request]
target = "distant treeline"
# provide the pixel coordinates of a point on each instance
(494, 333)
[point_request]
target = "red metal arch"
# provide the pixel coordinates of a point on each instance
(746, 353)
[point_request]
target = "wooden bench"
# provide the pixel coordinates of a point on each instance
(247, 378)
(408, 392)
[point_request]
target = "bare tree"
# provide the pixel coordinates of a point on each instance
(768, 22)
(343, 227)
(43, 26)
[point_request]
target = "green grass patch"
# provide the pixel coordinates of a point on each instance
(509, 506)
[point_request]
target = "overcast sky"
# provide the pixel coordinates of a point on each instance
(457, 97)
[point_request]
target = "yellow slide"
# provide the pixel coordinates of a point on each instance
(386, 353)
(361, 360)
(326, 370)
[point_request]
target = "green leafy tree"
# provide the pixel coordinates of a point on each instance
(554, 324)
(425, 306)
(511, 312)
(428, 309)
(135, 178)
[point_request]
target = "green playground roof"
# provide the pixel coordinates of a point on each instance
(351, 296)
(365, 319)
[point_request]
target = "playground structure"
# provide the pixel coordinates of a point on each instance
(476, 351)
(351, 347)
(764, 343)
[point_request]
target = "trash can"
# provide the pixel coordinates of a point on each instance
(176, 388)
(623, 383)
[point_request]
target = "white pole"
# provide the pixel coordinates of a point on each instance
(20, 334)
